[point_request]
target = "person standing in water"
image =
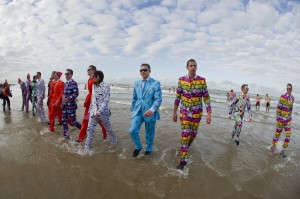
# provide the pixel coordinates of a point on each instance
(69, 105)
(146, 100)
(257, 102)
(99, 110)
(268, 103)
(33, 94)
(84, 125)
(40, 93)
(56, 100)
(284, 118)
(27, 97)
(24, 92)
(191, 90)
(237, 110)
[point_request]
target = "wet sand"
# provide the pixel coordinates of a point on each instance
(37, 164)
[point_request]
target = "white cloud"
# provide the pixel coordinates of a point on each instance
(254, 40)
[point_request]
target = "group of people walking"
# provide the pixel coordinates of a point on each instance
(191, 92)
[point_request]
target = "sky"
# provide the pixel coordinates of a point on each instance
(233, 41)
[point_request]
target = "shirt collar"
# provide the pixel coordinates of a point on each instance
(146, 79)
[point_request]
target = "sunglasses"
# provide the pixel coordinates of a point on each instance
(89, 69)
(144, 70)
(67, 74)
(289, 89)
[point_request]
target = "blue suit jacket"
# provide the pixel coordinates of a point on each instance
(144, 99)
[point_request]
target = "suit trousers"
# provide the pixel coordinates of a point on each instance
(84, 126)
(93, 121)
(135, 126)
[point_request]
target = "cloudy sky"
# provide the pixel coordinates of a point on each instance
(234, 41)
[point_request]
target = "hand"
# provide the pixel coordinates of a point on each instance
(208, 118)
(250, 119)
(148, 113)
(174, 117)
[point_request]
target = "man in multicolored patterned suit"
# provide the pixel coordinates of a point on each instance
(237, 110)
(284, 118)
(190, 92)
(146, 100)
(69, 103)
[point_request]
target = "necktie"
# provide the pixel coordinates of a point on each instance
(144, 85)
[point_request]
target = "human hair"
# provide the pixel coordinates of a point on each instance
(289, 84)
(190, 60)
(145, 64)
(257, 95)
(101, 75)
(70, 70)
(93, 67)
(34, 77)
(243, 86)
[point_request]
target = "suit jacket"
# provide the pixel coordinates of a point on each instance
(100, 99)
(71, 92)
(148, 98)
(57, 92)
(40, 92)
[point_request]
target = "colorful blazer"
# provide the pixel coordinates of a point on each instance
(191, 93)
(148, 97)
(285, 108)
(71, 92)
(239, 105)
(100, 99)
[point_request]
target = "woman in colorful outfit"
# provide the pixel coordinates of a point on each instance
(192, 89)
(237, 109)
(99, 110)
(284, 118)
(84, 125)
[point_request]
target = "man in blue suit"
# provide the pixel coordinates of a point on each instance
(146, 100)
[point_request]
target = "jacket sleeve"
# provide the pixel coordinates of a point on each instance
(104, 101)
(61, 90)
(134, 97)
(157, 97)
(249, 108)
(206, 98)
(234, 101)
(179, 91)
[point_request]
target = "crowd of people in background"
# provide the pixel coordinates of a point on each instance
(191, 93)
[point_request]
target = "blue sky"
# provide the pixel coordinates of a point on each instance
(234, 42)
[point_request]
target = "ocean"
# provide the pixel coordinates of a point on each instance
(35, 163)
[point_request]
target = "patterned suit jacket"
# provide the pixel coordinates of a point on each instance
(71, 93)
(149, 97)
(40, 92)
(100, 99)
